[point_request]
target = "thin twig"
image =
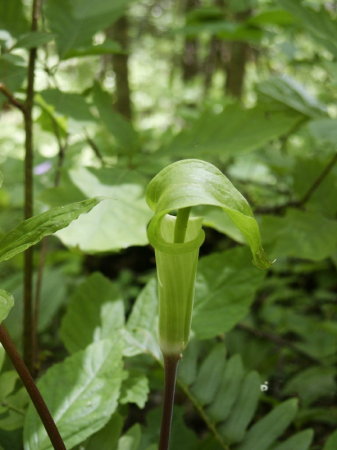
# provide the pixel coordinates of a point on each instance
(210, 425)
(95, 149)
(44, 244)
(307, 195)
(12, 100)
(278, 340)
(28, 319)
(32, 390)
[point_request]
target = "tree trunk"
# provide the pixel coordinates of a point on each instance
(119, 33)
(236, 66)
(190, 60)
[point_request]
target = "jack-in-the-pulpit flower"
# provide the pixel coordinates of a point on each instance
(177, 239)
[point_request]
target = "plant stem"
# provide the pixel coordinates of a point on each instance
(181, 224)
(170, 368)
(32, 390)
(28, 319)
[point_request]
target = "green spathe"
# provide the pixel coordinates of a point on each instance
(184, 184)
(176, 271)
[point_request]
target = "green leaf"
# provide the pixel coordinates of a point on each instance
(95, 312)
(135, 389)
(107, 437)
(265, 431)
(286, 90)
(228, 390)
(12, 72)
(331, 442)
(68, 104)
(271, 16)
(12, 412)
(141, 329)
(7, 383)
(81, 393)
(194, 182)
(12, 17)
(300, 441)
(107, 48)
(121, 217)
(225, 288)
(131, 439)
(33, 39)
(318, 23)
(300, 234)
(312, 384)
(6, 303)
(209, 375)
(324, 131)
(74, 23)
(232, 132)
(36, 228)
(115, 123)
(83, 8)
(243, 411)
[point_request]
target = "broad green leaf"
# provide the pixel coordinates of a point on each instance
(299, 441)
(120, 219)
(34, 229)
(107, 48)
(262, 434)
(141, 329)
(305, 173)
(271, 16)
(12, 72)
(53, 295)
(209, 375)
(83, 8)
(68, 104)
(107, 437)
(12, 17)
(318, 23)
(225, 288)
(135, 389)
(74, 23)
(193, 182)
(131, 439)
(324, 131)
(95, 312)
(232, 132)
(12, 416)
(331, 442)
(300, 234)
(7, 383)
(243, 411)
(288, 91)
(6, 303)
(228, 31)
(33, 39)
(81, 392)
(116, 124)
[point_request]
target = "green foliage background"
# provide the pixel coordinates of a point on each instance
(124, 88)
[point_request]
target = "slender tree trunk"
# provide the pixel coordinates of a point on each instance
(236, 66)
(29, 331)
(190, 60)
(119, 32)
